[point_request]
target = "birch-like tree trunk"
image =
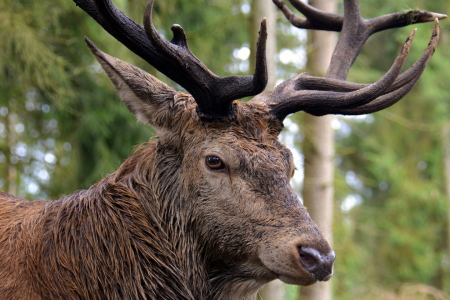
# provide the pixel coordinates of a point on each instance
(11, 121)
(318, 149)
(266, 9)
(446, 150)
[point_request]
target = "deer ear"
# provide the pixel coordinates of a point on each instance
(148, 98)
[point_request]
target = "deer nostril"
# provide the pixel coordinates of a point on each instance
(309, 257)
(316, 263)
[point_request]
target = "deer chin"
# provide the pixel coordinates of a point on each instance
(304, 281)
(287, 268)
(291, 276)
(296, 275)
(297, 281)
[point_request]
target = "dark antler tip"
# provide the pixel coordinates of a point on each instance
(420, 16)
(439, 16)
(436, 31)
(436, 22)
(263, 28)
(179, 37)
(410, 38)
(177, 30)
(148, 11)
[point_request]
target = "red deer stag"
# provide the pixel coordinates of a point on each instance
(205, 210)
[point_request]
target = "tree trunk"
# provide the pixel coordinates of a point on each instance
(266, 9)
(317, 193)
(11, 121)
(446, 150)
(318, 149)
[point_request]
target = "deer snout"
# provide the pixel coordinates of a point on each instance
(318, 264)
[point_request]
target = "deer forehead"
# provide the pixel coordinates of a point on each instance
(252, 129)
(252, 123)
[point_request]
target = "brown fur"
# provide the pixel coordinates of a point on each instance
(164, 226)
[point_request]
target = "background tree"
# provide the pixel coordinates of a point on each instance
(265, 9)
(318, 148)
(446, 150)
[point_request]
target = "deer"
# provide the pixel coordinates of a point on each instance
(204, 210)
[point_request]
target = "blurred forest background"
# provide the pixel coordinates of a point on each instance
(62, 128)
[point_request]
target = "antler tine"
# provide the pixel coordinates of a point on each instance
(404, 83)
(375, 105)
(290, 97)
(402, 18)
(214, 95)
(414, 72)
(358, 31)
(332, 94)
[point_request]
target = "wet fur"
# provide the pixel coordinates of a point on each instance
(136, 233)
(164, 225)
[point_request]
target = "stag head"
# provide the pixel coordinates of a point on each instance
(233, 176)
(221, 167)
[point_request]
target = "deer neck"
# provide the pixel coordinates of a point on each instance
(152, 172)
(161, 194)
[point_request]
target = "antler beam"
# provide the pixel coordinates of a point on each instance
(320, 20)
(333, 95)
(213, 94)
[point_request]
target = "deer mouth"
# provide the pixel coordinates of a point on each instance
(299, 263)
(315, 267)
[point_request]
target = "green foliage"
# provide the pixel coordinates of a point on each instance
(50, 90)
(32, 80)
(27, 57)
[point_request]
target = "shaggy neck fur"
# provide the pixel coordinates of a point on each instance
(120, 240)
(133, 235)
(205, 275)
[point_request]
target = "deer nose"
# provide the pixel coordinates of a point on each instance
(320, 265)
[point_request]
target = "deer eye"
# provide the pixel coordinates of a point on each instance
(214, 163)
(293, 172)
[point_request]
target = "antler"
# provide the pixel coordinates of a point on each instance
(214, 95)
(333, 95)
